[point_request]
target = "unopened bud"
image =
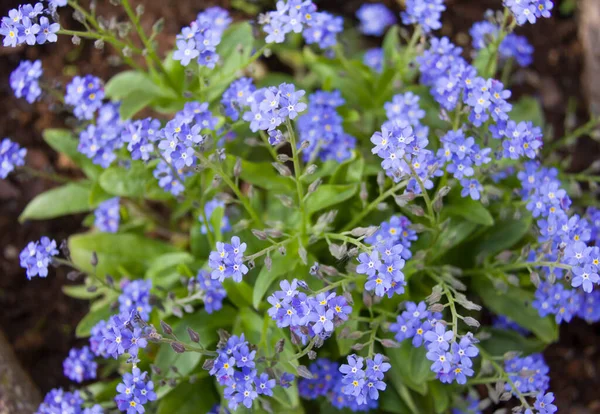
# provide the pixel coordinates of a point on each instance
(237, 168)
(166, 328)
(314, 185)
(194, 336)
(178, 347)
(268, 263)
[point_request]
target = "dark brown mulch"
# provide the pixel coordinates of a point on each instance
(39, 320)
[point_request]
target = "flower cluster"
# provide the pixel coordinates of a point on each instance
(107, 215)
(85, 95)
(80, 366)
(28, 24)
(374, 18)
(25, 80)
(177, 144)
(59, 401)
(99, 141)
(451, 358)
(462, 154)
(11, 156)
(236, 97)
(327, 382)
(301, 16)
(383, 267)
(212, 290)
(305, 315)
(120, 335)
(529, 374)
(235, 369)
(200, 39)
(529, 10)
(228, 260)
(568, 239)
(270, 107)
(512, 47)
(363, 383)
(402, 142)
(425, 13)
(209, 208)
(322, 128)
(396, 230)
(414, 323)
(36, 257)
(135, 391)
(136, 298)
(140, 136)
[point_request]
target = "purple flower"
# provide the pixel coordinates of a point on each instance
(11, 156)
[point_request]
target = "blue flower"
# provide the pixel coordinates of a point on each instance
(374, 18)
(136, 298)
(543, 403)
(24, 80)
(107, 215)
(59, 401)
(228, 260)
(426, 13)
(80, 366)
(439, 338)
(11, 156)
(85, 95)
(264, 384)
(214, 293)
(36, 257)
(47, 31)
(236, 97)
(529, 10)
(135, 390)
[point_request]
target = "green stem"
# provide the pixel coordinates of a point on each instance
(269, 249)
(297, 174)
(243, 199)
(306, 350)
(492, 64)
(451, 303)
(430, 211)
(269, 147)
(92, 274)
(348, 240)
(188, 347)
(518, 266)
(583, 177)
(500, 370)
(358, 218)
(579, 132)
(147, 44)
(506, 71)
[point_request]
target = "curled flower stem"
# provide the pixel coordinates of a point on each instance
(306, 350)
(358, 218)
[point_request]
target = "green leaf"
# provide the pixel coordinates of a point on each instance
(328, 195)
(528, 109)
(92, 318)
(189, 398)
(469, 209)
(390, 402)
(391, 46)
(129, 83)
(63, 141)
(516, 304)
(132, 104)
(216, 222)
(115, 251)
(504, 235)
(440, 394)
(350, 171)
(206, 325)
(503, 341)
(410, 367)
(240, 293)
(281, 265)
(126, 182)
(163, 270)
(60, 201)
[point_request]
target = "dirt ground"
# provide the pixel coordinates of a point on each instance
(39, 320)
